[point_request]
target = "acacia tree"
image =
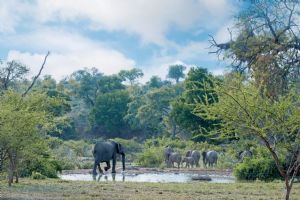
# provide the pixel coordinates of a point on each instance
(267, 44)
(246, 109)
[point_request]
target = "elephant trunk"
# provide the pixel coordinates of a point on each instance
(123, 161)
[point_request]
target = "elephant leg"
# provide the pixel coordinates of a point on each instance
(114, 164)
(100, 170)
(107, 166)
(95, 168)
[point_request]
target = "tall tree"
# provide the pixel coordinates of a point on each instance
(176, 72)
(197, 86)
(108, 113)
(131, 75)
(267, 44)
(246, 109)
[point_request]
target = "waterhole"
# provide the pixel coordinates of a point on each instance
(148, 177)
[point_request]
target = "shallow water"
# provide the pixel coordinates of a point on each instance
(146, 177)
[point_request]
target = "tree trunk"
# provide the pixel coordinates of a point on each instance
(287, 189)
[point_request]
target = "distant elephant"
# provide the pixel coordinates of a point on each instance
(244, 154)
(189, 161)
(210, 157)
(188, 153)
(106, 151)
(167, 152)
(195, 154)
(196, 157)
(174, 157)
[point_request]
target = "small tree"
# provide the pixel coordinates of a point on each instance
(21, 119)
(246, 109)
(176, 72)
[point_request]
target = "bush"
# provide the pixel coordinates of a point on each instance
(151, 157)
(261, 168)
(45, 166)
(37, 175)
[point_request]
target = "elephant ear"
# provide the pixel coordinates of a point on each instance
(119, 148)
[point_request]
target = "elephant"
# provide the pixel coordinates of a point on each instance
(106, 151)
(188, 153)
(195, 154)
(210, 157)
(189, 161)
(168, 150)
(244, 154)
(174, 157)
(196, 157)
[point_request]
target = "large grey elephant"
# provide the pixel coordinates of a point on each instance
(174, 157)
(196, 156)
(210, 158)
(106, 151)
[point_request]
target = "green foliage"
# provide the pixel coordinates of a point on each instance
(109, 111)
(46, 166)
(262, 168)
(131, 75)
(197, 88)
(176, 72)
(151, 157)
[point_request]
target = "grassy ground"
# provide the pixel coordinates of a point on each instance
(61, 189)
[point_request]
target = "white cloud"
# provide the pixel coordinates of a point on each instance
(69, 52)
(148, 19)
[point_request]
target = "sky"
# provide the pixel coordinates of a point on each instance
(112, 35)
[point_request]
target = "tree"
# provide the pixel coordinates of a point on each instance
(108, 113)
(197, 86)
(267, 44)
(155, 109)
(176, 72)
(155, 82)
(86, 84)
(131, 75)
(246, 109)
(22, 120)
(11, 72)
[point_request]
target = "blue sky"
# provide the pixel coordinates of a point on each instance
(113, 34)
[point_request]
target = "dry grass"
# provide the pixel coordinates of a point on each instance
(60, 189)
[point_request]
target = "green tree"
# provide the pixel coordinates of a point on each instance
(156, 107)
(176, 72)
(22, 120)
(246, 109)
(85, 84)
(10, 72)
(131, 75)
(197, 86)
(108, 113)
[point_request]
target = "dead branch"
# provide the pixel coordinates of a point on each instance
(37, 76)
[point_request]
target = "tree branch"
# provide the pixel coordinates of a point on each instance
(37, 76)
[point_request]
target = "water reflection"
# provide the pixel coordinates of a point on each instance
(105, 177)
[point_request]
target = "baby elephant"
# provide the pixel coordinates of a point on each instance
(189, 161)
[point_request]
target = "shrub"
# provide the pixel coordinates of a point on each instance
(45, 166)
(261, 168)
(37, 175)
(150, 157)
